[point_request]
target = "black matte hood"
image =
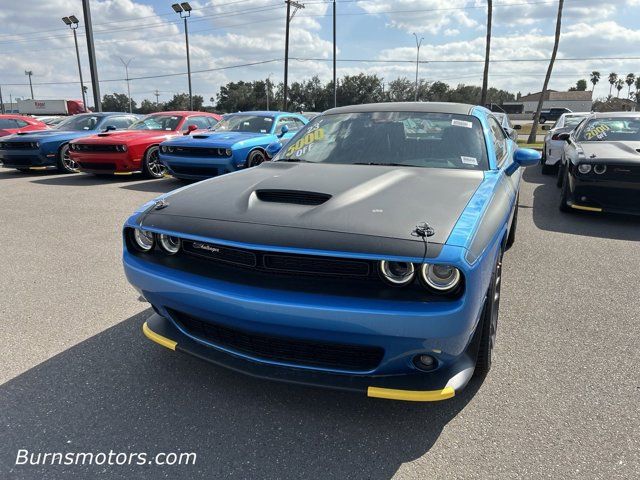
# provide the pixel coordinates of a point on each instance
(358, 200)
(618, 152)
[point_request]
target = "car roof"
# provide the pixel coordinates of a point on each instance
(430, 107)
(263, 113)
(616, 115)
(184, 113)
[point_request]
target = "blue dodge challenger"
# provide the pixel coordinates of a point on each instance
(239, 140)
(366, 256)
(49, 149)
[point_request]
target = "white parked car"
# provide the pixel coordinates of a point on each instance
(552, 150)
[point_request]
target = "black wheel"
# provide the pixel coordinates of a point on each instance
(489, 321)
(564, 193)
(65, 163)
(548, 169)
(151, 165)
(255, 158)
(511, 238)
(560, 174)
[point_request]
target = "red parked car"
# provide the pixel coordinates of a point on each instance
(10, 124)
(135, 149)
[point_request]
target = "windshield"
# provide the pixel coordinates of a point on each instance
(621, 129)
(157, 122)
(244, 123)
(80, 122)
(412, 139)
(572, 121)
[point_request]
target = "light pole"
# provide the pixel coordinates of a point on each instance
(184, 10)
(335, 85)
(290, 16)
(72, 21)
(93, 68)
(418, 45)
(268, 89)
(126, 71)
(29, 73)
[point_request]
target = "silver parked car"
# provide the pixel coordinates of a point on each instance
(553, 146)
(503, 118)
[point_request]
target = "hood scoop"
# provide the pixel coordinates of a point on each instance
(103, 134)
(296, 197)
(200, 136)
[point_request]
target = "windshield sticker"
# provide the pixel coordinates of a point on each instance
(461, 123)
(307, 140)
(599, 132)
(469, 161)
(263, 131)
(174, 118)
(268, 119)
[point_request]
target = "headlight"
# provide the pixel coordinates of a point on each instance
(143, 239)
(397, 273)
(170, 149)
(170, 244)
(121, 148)
(163, 149)
(442, 278)
(35, 144)
(584, 168)
(228, 152)
(600, 169)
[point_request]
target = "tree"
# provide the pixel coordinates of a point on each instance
(147, 106)
(485, 76)
(619, 86)
(613, 78)
(536, 118)
(637, 89)
(116, 102)
(595, 78)
(359, 89)
(631, 78)
(581, 86)
(180, 101)
(400, 90)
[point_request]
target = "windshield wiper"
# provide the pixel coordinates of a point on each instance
(384, 164)
(298, 160)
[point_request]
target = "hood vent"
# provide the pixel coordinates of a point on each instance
(295, 197)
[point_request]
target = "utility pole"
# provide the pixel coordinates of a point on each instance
(1, 101)
(157, 94)
(335, 84)
(268, 88)
(29, 73)
(93, 68)
(72, 22)
(418, 45)
(184, 10)
(296, 7)
(126, 71)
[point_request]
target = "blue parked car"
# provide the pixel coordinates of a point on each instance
(50, 148)
(366, 256)
(239, 140)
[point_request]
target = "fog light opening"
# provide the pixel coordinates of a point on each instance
(425, 362)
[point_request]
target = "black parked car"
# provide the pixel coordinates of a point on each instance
(552, 114)
(600, 166)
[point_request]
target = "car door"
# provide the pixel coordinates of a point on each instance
(504, 149)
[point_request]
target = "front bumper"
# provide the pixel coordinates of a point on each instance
(31, 159)
(197, 168)
(595, 195)
(106, 163)
(446, 330)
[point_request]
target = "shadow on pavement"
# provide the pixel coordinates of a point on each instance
(13, 174)
(547, 216)
(156, 186)
(118, 391)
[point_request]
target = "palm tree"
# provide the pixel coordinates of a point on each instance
(536, 117)
(638, 89)
(613, 78)
(595, 78)
(629, 81)
(619, 86)
(485, 76)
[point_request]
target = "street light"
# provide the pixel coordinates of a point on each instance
(126, 71)
(184, 10)
(418, 45)
(29, 73)
(72, 22)
(268, 89)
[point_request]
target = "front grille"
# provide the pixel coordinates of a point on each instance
(199, 152)
(195, 170)
(98, 166)
(622, 173)
(279, 263)
(16, 145)
(94, 147)
(292, 196)
(611, 197)
(280, 349)
(19, 161)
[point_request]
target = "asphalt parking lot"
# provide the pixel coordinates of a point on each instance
(562, 400)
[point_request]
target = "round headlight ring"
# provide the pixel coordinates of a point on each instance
(228, 152)
(442, 278)
(163, 149)
(584, 168)
(169, 244)
(170, 149)
(144, 240)
(600, 169)
(397, 273)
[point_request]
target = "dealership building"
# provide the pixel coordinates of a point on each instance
(574, 101)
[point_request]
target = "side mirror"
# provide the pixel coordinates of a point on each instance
(517, 126)
(273, 148)
(564, 136)
(523, 157)
(190, 129)
(283, 131)
(109, 128)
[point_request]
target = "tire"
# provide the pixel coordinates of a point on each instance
(511, 238)
(489, 321)
(560, 174)
(255, 158)
(151, 165)
(564, 194)
(65, 164)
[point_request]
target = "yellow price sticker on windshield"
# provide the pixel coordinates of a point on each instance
(308, 139)
(599, 131)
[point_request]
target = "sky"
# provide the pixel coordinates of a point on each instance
(227, 34)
